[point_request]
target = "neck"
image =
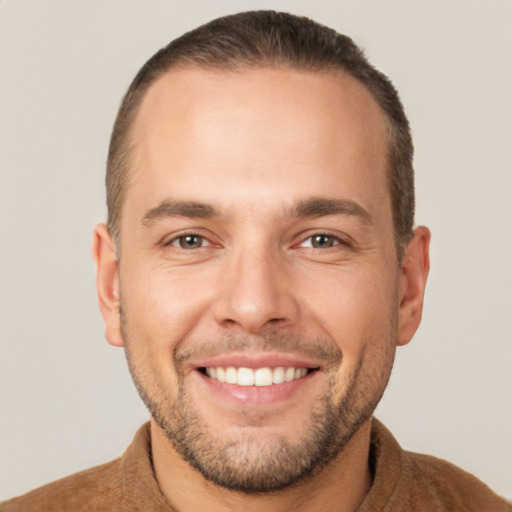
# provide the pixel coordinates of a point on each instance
(341, 486)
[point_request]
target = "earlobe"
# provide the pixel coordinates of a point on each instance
(107, 283)
(413, 274)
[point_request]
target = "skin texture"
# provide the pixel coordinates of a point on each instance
(255, 165)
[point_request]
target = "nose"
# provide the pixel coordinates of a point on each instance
(256, 293)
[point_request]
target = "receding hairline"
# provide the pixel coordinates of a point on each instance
(335, 73)
(258, 39)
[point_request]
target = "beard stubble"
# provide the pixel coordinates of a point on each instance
(248, 463)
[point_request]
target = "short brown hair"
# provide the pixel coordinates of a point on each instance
(268, 38)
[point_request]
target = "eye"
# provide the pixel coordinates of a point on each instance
(321, 241)
(189, 241)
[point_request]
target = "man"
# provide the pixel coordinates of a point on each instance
(259, 266)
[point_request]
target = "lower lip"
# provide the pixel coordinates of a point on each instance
(257, 395)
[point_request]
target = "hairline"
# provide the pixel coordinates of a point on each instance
(128, 146)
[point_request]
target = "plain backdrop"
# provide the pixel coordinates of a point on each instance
(66, 399)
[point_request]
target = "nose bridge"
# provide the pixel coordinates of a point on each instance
(254, 292)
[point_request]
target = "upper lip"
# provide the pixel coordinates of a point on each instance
(255, 360)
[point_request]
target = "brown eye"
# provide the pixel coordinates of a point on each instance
(189, 241)
(322, 241)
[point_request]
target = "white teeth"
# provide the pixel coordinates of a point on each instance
(220, 374)
(260, 377)
(300, 372)
(245, 377)
(278, 375)
(263, 377)
(231, 375)
(289, 374)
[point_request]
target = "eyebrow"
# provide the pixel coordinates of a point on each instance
(169, 208)
(321, 207)
(312, 207)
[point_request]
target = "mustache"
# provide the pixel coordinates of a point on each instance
(318, 349)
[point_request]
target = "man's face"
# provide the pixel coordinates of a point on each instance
(258, 245)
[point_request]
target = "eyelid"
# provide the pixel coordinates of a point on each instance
(171, 240)
(174, 242)
(340, 238)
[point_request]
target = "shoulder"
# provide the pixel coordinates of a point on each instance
(405, 481)
(98, 488)
(434, 480)
(126, 484)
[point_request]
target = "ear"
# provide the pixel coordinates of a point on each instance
(107, 283)
(413, 274)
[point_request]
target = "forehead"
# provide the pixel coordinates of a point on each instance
(267, 131)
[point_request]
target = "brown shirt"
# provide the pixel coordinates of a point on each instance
(403, 482)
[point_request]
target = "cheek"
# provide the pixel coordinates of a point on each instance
(353, 306)
(357, 312)
(163, 305)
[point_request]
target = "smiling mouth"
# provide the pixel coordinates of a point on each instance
(265, 376)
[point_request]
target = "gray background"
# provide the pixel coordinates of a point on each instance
(66, 400)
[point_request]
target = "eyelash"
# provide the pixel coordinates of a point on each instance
(178, 240)
(335, 240)
(175, 242)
